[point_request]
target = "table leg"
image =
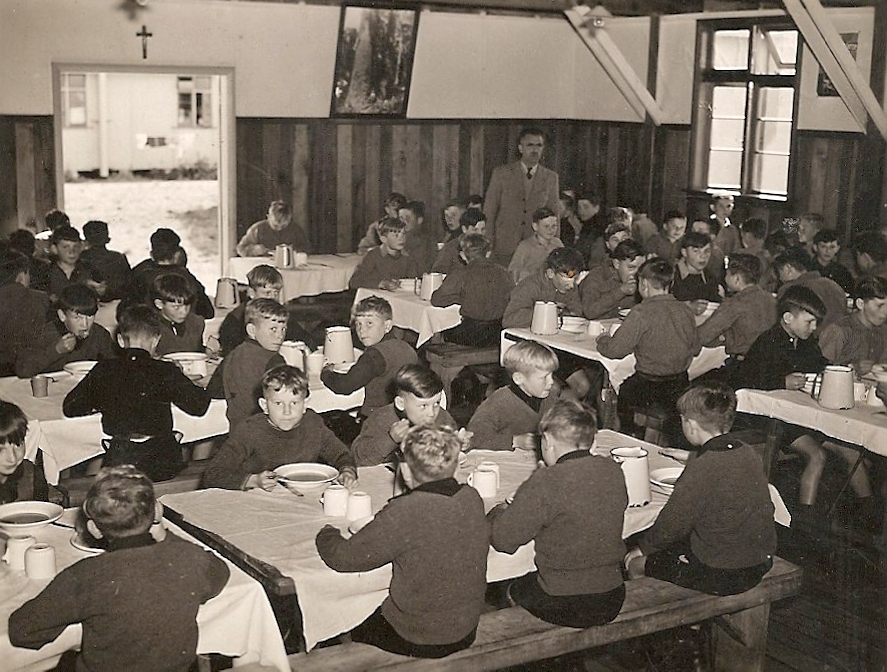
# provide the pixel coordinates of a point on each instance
(749, 626)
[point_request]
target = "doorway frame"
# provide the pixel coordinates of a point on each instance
(227, 137)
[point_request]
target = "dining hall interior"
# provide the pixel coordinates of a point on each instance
(653, 106)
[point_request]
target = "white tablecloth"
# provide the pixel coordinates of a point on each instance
(584, 346)
(411, 312)
(325, 273)
(237, 622)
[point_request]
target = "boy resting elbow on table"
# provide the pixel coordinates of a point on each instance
(509, 418)
(138, 602)
(417, 394)
(173, 296)
(716, 532)
(283, 433)
(573, 510)
(384, 265)
(556, 282)
(437, 540)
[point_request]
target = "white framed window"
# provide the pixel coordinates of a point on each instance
(74, 99)
(195, 101)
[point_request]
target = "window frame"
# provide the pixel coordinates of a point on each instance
(206, 104)
(66, 89)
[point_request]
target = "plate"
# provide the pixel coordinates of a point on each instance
(574, 325)
(357, 525)
(666, 477)
(79, 369)
(306, 477)
(81, 545)
(27, 516)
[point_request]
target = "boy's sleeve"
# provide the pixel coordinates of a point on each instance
(519, 522)
(370, 365)
(250, 240)
(519, 312)
(227, 468)
(624, 341)
(231, 333)
(717, 324)
(596, 304)
(332, 451)
(831, 342)
(79, 401)
(370, 240)
(39, 356)
(42, 619)
(191, 398)
(449, 292)
(215, 575)
(490, 427)
(678, 518)
(374, 546)
(374, 444)
(365, 273)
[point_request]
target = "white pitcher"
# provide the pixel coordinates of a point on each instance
(636, 470)
(430, 282)
(227, 295)
(836, 389)
(544, 318)
(283, 256)
(293, 352)
(338, 348)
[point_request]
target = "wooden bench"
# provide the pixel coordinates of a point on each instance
(513, 636)
(448, 359)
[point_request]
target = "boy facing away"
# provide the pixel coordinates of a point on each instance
(112, 266)
(73, 338)
(716, 532)
(382, 266)
(437, 540)
(283, 433)
(451, 256)
(572, 509)
(383, 357)
(556, 282)
(181, 328)
(509, 418)
(134, 394)
(138, 602)
(22, 310)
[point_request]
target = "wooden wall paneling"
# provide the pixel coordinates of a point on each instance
(26, 183)
(444, 168)
(476, 165)
(323, 187)
(375, 195)
(360, 217)
(425, 170)
(46, 196)
(398, 150)
(386, 185)
(496, 150)
(271, 144)
(673, 172)
(611, 183)
(250, 174)
(344, 195)
(8, 194)
(414, 184)
(301, 176)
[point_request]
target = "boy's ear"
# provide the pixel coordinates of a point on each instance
(859, 303)
(120, 341)
(388, 325)
(263, 404)
(518, 378)
(251, 330)
(250, 292)
(158, 304)
(398, 403)
(93, 529)
(549, 273)
(61, 314)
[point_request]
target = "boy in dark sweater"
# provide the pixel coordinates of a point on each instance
(793, 269)
(450, 257)
(138, 602)
(573, 510)
(134, 394)
(113, 266)
(826, 248)
(384, 265)
(73, 338)
(66, 248)
(556, 282)
(481, 288)
(22, 310)
(693, 279)
(437, 540)
(612, 286)
(383, 357)
(243, 369)
(716, 533)
(283, 433)
(509, 418)
(182, 329)
(416, 403)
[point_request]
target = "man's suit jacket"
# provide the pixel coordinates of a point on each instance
(509, 206)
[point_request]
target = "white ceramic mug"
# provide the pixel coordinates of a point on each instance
(486, 465)
(15, 551)
(335, 501)
(596, 328)
(484, 481)
(293, 353)
(40, 386)
(301, 259)
(40, 561)
(314, 363)
(359, 506)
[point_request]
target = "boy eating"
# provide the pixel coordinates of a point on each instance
(531, 253)
(451, 256)
(284, 432)
(138, 602)
(383, 266)
(556, 282)
(612, 286)
(573, 510)
(437, 540)
(182, 329)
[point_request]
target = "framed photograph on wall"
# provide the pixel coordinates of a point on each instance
(374, 61)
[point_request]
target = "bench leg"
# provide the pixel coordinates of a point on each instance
(749, 626)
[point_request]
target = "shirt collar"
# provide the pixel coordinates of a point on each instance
(527, 168)
(135, 541)
(573, 455)
(532, 402)
(446, 486)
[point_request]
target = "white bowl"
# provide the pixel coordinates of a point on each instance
(573, 324)
(665, 477)
(27, 516)
(192, 364)
(79, 369)
(306, 478)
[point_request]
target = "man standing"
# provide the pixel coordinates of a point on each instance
(515, 192)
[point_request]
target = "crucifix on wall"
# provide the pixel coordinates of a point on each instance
(144, 34)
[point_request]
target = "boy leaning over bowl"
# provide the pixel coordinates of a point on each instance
(284, 432)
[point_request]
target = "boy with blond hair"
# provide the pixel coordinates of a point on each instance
(531, 253)
(383, 266)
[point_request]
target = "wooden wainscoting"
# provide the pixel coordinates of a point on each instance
(27, 170)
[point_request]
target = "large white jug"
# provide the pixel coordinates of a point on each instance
(338, 347)
(283, 256)
(430, 282)
(544, 318)
(636, 469)
(227, 295)
(836, 389)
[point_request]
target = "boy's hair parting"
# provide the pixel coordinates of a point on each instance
(269, 309)
(12, 264)
(390, 224)
(794, 257)
(13, 424)
(96, 232)
(526, 356)
(872, 244)
(695, 239)
(431, 453)
(78, 298)
(415, 379)
(416, 207)
(826, 236)
(64, 233)
(264, 275)
(659, 272)
(121, 502)
(746, 266)
(712, 405)
(23, 241)
(566, 261)
(817, 220)
(138, 322)
(627, 250)
(870, 287)
(372, 305)
(673, 214)
(756, 227)
(173, 287)
(799, 298)
(471, 217)
(280, 209)
(474, 245)
(285, 377)
(616, 227)
(542, 213)
(571, 422)
(475, 201)
(56, 219)
(528, 131)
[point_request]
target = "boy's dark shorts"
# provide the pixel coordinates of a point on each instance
(575, 611)
(679, 566)
(378, 632)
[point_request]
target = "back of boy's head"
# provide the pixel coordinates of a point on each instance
(471, 218)
(618, 215)
(870, 287)
(794, 257)
(68, 233)
(798, 299)
(285, 377)
(96, 232)
(542, 213)
(431, 453)
(825, 236)
(372, 305)
(56, 219)
(164, 237)
(280, 209)
(121, 502)
(13, 424)
(756, 228)
(570, 422)
(417, 208)
(746, 266)
(712, 405)
(78, 298)
(616, 227)
(776, 242)
(264, 309)
(12, 264)
(474, 245)
(873, 244)
(138, 322)
(173, 288)
(527, 356)
(263, 275)
(695, 239)
(592, 197)
(395, 200)
(23, 241)
(475, 201)
(391, 224)
(417, 380)
(566, 261)
(627, 250)
(658, 272)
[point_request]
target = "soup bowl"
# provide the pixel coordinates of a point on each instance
(306, 478)
(26, 516)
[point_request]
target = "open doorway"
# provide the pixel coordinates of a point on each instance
(141, 149)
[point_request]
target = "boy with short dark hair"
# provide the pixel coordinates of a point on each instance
(531, 253)
(826, 247)
(420, 240)
(417, 398)
(667, 243)
(482, 289)
(244, 368)
(870, 251)
(860, 338)
(509, 418)
(173, 296)
(22, 310)
(613, 286)
(573, 510)
(716, 533)
(693, 280)
(283, 433)
(23, 241)
(13, 429)
(112, 266)
(382, 266)
(793, 269)
(138, 602)
(556, 282)
(134, 394)
(66, 248)
(450, 257)
(437, 540)
(383, 357)
(393, 204)
(73, 338)
(715, 267)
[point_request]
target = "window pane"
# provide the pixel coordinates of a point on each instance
(204, 116)
(186, 84)
(772, 141)
(77, 81)
(724, 169)
(770, 174)
(776, 103)
(185, 109)
(774, 137)
(727, 134)
(728, 102)
(730, 50)
(775, 52)
(201, 83)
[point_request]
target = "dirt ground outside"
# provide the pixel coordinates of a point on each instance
(135, 209)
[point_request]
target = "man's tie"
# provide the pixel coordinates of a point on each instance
(529, 173)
